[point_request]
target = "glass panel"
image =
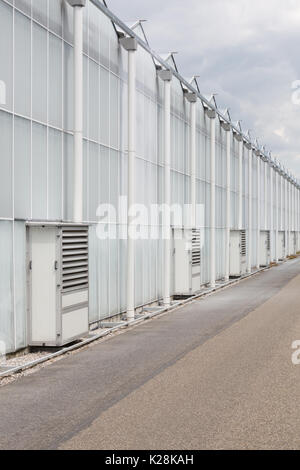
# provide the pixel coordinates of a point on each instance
(6, 165)
(39, 172)
(22, 171)
(23, 5)
(68, 176)
(55, 175)
(6, 55)
(39, 10)
(55, 81)
(55, 16)
(22, 64)
(114, 111)
(94, 104)
(104, 106)
(68, 87)
(39, 73)
(6, 286)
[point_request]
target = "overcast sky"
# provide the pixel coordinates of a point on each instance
(245, 51)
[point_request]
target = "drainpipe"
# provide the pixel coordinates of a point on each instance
(276, 216)
(166, 76)
(271, 214)
(78, 109)
(192, 99)
(212, 116)
(298, 225)
(249, 264)
(240, 185)
(258, 213)
(130, 45)
(193, 158)
(289, 218)
(266, 196)
(227, 128)
(286, 218)
(281, 203)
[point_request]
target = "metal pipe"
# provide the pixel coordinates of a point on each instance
(78, 112)
(167, 193)
(286, 217)
(258, 213)
(276, 217)
(249, 263)
(240, 186)
(289, 217)
(266, 197)
(271, 214)
(213, 202)
(193, 164)
(228, 205)
(131, 183)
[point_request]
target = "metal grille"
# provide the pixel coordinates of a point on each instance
(74, 258)
(196, 248)
(243, 243)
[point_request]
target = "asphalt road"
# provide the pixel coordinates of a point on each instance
(215, 374)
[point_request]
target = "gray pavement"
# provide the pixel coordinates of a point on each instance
(214, 374)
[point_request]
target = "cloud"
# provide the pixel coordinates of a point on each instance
(246, 52)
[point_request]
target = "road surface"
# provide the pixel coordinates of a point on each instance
(216, 374)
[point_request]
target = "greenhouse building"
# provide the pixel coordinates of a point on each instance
(123, 187)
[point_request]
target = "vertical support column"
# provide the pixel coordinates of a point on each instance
(271, 214)
(258, 213)
(166, 76)
(78, 109)
(192, 98)
(249, 257)
(212, 115)
(240, 185)
(298, 218)
(281, 203)
(266, 197)
(286, 218)
(130, 44)
(289, 219)
(276, 217)
(193, 164)
(228, 200)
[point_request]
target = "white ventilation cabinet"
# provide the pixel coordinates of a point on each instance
(58, 283)
(265, 248)
(238, 253)
(186, 261)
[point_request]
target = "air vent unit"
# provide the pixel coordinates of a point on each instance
(196, 248)
(58, 274)
(238, 251)
(74, 258)
(243, 243)
(186, 261)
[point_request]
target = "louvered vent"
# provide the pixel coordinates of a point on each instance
(196, 248)
(243, 243)
(74, 258)
(268, 241)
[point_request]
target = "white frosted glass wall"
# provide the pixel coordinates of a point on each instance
(36, 158)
